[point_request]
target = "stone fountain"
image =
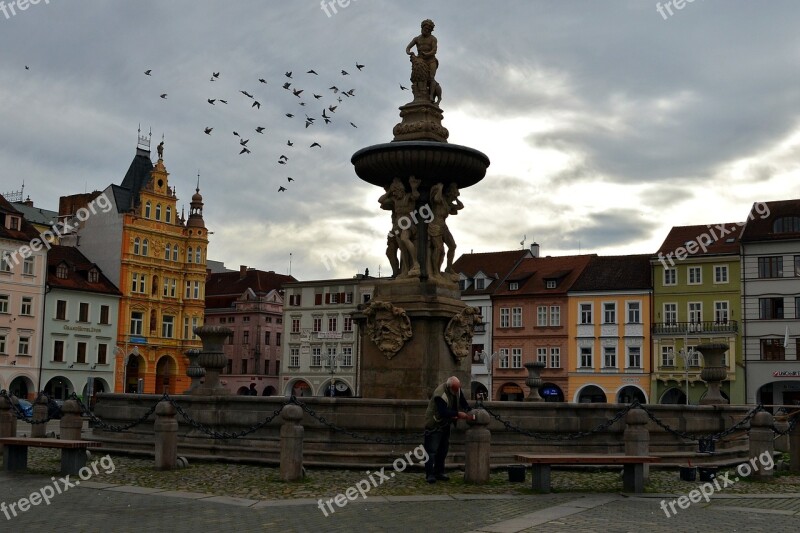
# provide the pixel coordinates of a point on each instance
(415, 332)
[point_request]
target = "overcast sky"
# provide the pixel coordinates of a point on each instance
(605, 123)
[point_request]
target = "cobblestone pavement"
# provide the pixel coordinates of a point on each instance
(250, 498)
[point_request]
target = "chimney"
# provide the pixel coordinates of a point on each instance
(535, 249)
(242, 271)
(28, 202)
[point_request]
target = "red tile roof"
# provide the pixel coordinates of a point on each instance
(760, 227)
(615, 273)
(531, 274)
(223, 288)
(78, 267)
(718, 239)
(495, 265)
(26, 231)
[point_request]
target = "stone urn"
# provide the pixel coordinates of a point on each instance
(534, 381)
(713, 373)
(212, 359)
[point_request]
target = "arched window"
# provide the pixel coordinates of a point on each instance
(189, 255)
(136, 246)
(197, 254)
(169, 214)
(175, 253)
(145, 246)
(147, 210)
(167, 250)
(158, 211)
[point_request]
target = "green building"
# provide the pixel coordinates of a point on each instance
(696, 300)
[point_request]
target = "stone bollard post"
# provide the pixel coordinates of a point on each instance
(477, 448)
(762, 444)
(8, 420)
(71, 422)
(782, 442)
(794, 447)
(637, 436)
(39, 413)
(292, 432)
(166, 436)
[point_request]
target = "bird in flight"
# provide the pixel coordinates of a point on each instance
(215, 75)
(334, 88)
(345, 73)
(315, 144)
(317, 96)
(212, 100)
(403, 88)
(247, 94)
(287, 85)
(164, 96)
(281, 189)
(244, 151)
(281, 162)
(290, 179)
(312, 72)
(351, 92)
(289, 115)
(27, 67)
(353, 125)
(332, 108)
(208, 131)
(359, 67)
(223, 101)
(244, 142)
(256, 103)
(289, 143)
(236, 134)
(262, 80)
(283, 158)
(260, 129)
(297, 92)
(288, 74)
(147, 72)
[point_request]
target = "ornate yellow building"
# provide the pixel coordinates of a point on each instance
(158, 260)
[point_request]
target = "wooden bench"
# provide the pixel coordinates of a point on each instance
(73, 452)
(632, 476)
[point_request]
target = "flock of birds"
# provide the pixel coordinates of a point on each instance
(330, 100)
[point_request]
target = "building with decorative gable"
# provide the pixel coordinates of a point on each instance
(157, 259)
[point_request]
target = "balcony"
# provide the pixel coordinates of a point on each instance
(694, 328)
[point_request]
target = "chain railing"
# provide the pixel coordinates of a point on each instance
(414, 438)
(109, 427)
(20, 415)
(223, 434)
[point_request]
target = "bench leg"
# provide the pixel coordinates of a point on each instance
(633, 477)
(15, 458)
(541, 478)
(72, 460)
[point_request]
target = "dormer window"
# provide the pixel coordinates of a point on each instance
(462, 284)
(480, 284)
(513, 286)
(94, 276)
(13, 223)
(62, 271)
(550, 284)
(789, 224)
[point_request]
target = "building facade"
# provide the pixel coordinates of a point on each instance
(696, 300)
(771, 302)
(320, 355)
(80, 326)
(23, 265)
(157, 259)
(609, 312)
(249, 302)
(531, 316)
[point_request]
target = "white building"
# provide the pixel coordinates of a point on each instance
(771, 302)
(80, 326)
(320, 353)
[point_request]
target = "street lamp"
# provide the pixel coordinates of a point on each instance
(487, 361)
(332, 360)
(685, 354)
